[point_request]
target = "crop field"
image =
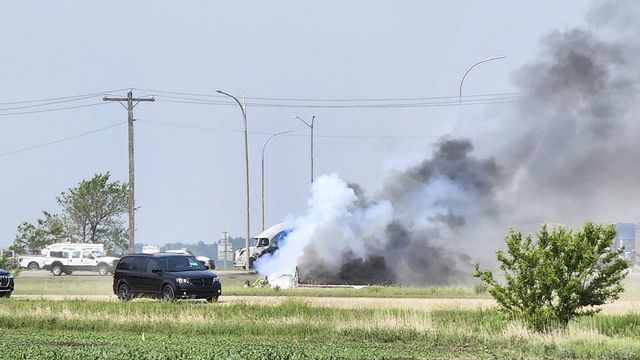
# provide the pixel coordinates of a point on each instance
(262, 323)
(46, 329)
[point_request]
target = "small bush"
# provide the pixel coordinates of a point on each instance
(562, 275)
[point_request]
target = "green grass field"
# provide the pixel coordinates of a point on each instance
(297, 328)
(45, 329)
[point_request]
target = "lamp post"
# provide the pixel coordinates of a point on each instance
(262, 182)
(310, 125)
(469, 69)
(246, 171)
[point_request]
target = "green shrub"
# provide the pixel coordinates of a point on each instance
(562, 275)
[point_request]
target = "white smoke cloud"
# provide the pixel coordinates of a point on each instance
(407, 233)
(333, 225)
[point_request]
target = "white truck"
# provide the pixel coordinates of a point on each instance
(264, 243)
(67, 258)
(32, 262)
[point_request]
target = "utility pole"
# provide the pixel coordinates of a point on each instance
(131, 103)
(310, 125)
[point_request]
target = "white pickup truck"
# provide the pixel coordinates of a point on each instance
(32, 262)
(67, 258)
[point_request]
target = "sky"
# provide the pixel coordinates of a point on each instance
(189, 157)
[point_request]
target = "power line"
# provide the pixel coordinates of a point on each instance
(59, 98)
(60, 140)
(335, 99)
(48, 103)
(197, 127)
(51, 110)
(449, 100)
(349, 106)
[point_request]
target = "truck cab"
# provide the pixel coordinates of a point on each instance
(266, 242)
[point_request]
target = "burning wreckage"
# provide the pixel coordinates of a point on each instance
(266, 243)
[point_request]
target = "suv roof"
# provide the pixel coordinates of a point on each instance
(160, 254)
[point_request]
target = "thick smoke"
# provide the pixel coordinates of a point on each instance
(570, 156)
(398, 235)
(574, 155)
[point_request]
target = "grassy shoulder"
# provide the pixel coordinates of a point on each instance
(46, 329)
(233, 284)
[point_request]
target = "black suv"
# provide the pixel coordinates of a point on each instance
(164, 275)
(6, 283)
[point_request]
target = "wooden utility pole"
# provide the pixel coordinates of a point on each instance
(131, 103)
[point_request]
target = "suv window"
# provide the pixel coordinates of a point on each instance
(125, 263)
(183, 263)
(76, 254)
(152, 265)
(87, 254)
(139, 263)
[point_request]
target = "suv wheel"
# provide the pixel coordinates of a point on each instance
(56, 270)
(5, 295)
(33, 266)
(212, 299)
(168, 293)
(102, 270)
(124, 293)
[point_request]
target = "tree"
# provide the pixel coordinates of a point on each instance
(32, 238)
(92, 212)
(562, 275)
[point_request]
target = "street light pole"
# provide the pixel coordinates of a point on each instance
(262, 182)
(310, 125)
(469, 69)
(246, 172)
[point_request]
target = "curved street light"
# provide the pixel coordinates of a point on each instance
(246, 171)
(262, 182)
(471, 67)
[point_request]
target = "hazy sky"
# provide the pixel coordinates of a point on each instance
(190, 180)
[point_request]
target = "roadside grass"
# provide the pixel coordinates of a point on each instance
(233, 284)
(64, 285)
(46, 329)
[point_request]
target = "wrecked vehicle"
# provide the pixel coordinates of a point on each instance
(265, 243)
